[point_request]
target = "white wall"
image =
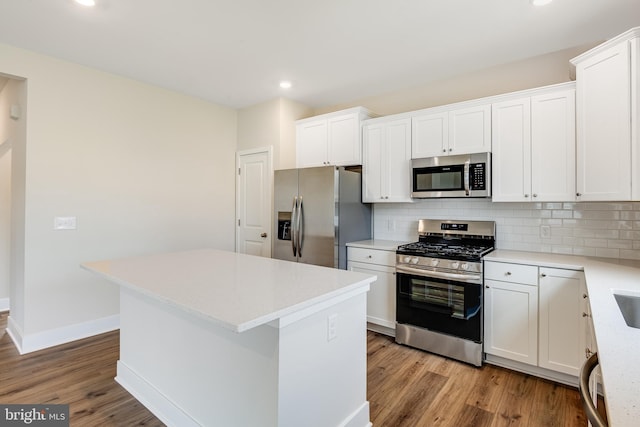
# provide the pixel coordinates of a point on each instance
(533, 72)
(143, 169)
(272, 124)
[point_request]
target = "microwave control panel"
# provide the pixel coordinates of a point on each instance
(477, 176)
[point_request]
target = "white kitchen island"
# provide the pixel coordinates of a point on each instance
(214, 338)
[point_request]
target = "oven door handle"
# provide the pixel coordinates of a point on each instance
(467, 278)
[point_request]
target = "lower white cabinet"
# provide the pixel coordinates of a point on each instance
(562, 338)
(381, 298)
(535, 315)
(511, 312)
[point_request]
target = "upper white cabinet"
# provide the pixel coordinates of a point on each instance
(608, 91)
(454, 131)
(331, 139)
(534, 146)
(386, 169)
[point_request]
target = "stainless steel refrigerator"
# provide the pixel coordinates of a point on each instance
(318, 211)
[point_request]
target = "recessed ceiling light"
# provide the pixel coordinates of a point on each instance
(540, 2)
(88, 3)
(285, 84)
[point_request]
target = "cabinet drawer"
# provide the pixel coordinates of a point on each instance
(515, 273)
(372, 256)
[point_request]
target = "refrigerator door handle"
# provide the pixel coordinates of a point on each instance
(300, 226)
(293, 225)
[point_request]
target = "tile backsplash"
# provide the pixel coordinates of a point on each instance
(603, 229)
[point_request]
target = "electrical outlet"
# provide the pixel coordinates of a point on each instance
(65, 223)
(332, 329)
(545, 231)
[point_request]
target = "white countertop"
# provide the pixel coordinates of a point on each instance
(234, 290)
(385, 245)
(618, 344)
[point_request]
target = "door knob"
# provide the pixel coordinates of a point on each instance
(263, 235)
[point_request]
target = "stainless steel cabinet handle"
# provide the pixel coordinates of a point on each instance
(589, 408)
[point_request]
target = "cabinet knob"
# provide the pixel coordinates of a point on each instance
(487, 286)
(369, 256)
(584, 295)
(508, 273)
(578, 194)
(444, 150)
(585, 314)
(535, 195)
(526, 195)
(450, 149)
(543, 275)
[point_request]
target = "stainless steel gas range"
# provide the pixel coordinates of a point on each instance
(439, 288)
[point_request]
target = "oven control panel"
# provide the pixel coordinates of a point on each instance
(439, 264)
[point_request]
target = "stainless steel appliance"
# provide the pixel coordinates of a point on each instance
(317, 211)
(465, 175)
(439, 288)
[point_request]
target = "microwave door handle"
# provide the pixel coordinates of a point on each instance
(293, 225)
(466, 178)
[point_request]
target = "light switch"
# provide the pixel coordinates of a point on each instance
(65, 223)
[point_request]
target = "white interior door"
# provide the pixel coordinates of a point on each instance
(253, 206)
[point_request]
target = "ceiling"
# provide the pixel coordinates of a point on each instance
(235, 52)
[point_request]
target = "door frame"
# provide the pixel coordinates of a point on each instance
(268, 150)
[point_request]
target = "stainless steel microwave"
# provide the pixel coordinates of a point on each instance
(465, 175)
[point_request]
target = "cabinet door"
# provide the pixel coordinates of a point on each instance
(430, 135)
(511, 321)
(604, 125)
(398, 161)
(511, 133)
(562, 337)
(381, 298)
(372, 166)
(553, 142)
(344, 142)
(470, 130)
(311, 144)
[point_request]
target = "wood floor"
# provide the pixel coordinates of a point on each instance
(406, 387)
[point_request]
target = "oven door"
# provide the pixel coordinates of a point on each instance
(442, 305)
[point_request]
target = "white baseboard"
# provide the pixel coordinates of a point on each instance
(4, 304)
(41, 340)
(152, 399)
